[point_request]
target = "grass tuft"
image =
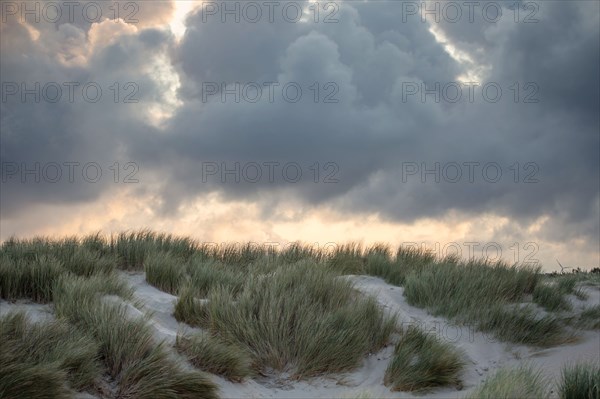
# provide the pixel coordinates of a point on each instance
(210, 354)
(298, 318)
(31, 278)
(165, 271)
(485, 295)
(590, 318)
(550, 297)
(517, 383)
(422, 362)
(141, 367)
(53, 353)
(580, 381)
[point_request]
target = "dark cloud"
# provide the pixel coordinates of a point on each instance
(368, 60)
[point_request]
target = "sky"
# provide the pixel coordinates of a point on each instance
(467, 128)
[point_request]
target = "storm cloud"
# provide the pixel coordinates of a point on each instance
(368, 112)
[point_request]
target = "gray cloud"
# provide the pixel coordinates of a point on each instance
(371, 133)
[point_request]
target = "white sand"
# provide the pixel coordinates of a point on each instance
(483, 354)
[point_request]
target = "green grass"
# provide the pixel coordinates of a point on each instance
(133, 248)
(512, 383)
(590, 317)
(521, 324)
(86, 262)
(206, 274)
(484, 294)
(141, 367)
(190, 309)
(211, 354)
(580, 381)
(421, 362)
(165, 271)
(297, 317)
(33, 278)
(285, 309)
(45, 359)
(550, 297)
(347, 259)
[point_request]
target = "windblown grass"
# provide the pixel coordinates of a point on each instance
(520, 324)
(85, 262)
(484, 294)
(211, 354)
(44, 359)
(580, 381)
(422, 362)
(550, 297)
(513, 383)
(453, 289)
(590, 318)
(141, 366)
(190, 309)
(298, 317)
(133, 248)
(296, 252)
(348, 259)
(165, 271)
(204, 275)
(31, 278)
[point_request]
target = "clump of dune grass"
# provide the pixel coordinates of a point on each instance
(141, 367)
(165, 271)
(512, 383)
(44, 359)
(190, 309)
(31, 278)
(347, 259)
(414, 258)
(298, 318)
(452, 289)
(296, 252)
(133, 248)
(380, 262)
(85, 262)
(483, 294)
(590, 317)
(211, 354)
(203, 275)
(580, 381)
(550, 297)
(238, 254)
(521, 324)
(421, 362)
(22, 380)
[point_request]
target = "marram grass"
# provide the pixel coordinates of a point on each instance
(211, 354)
(580, 381)
(298, 317)
(45, 359)
(421, 362)
(141, 367)
(261, 309)
(523, 382)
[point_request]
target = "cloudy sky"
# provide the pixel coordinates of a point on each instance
(469, 127)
